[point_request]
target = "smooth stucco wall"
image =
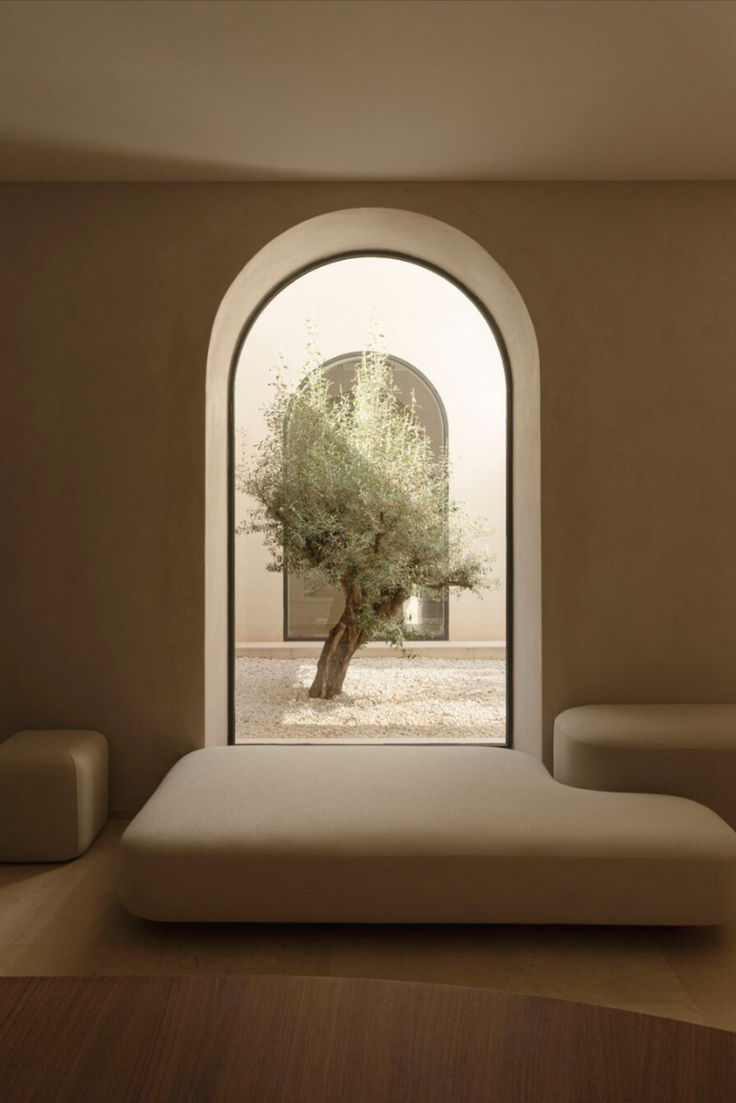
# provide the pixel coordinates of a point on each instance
(107, 298)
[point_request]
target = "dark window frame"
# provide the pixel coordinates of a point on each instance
(503, 351)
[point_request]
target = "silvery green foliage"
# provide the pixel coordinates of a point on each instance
(351, 492)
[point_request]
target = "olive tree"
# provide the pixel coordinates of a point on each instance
(350, 491)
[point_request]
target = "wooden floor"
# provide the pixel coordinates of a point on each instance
(66, 920)
(341, 1040)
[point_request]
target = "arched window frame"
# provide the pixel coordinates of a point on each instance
(408, 235)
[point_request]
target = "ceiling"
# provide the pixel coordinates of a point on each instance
(368, 90)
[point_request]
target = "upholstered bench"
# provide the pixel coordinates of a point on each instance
(53, 794)
(689, 750)
(416, 834)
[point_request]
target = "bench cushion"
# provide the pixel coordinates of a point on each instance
(420, 834)
(689, 750)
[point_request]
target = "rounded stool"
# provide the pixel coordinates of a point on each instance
(53, 794)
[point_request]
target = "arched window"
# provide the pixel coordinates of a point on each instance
(446, 359)
(449, 252)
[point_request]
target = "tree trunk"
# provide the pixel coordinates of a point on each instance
(339, 648)
(346, 637)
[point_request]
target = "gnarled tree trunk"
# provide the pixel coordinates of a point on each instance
(345, 639)
(339, 648)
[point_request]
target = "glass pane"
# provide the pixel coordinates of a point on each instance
(312, 612)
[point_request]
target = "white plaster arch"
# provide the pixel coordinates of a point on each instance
(448, 249)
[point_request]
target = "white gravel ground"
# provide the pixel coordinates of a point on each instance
(393, 700)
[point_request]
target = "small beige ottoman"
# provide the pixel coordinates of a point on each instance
(53, 794)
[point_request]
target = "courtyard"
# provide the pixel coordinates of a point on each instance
(396, 699)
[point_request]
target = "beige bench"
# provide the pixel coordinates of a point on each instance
(689, 750)
(416, 834)
(53, 794)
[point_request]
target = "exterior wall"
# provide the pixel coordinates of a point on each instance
(107, 299)
(427, 321)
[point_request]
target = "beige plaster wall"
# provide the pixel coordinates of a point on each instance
(107, 297)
